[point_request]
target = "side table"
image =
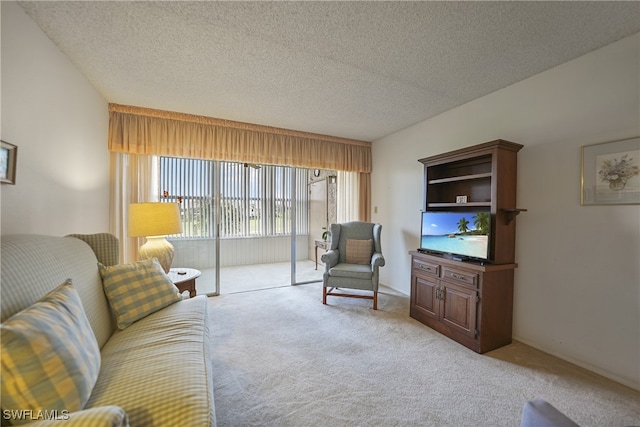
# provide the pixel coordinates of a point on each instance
(185, 279)
(323, 244)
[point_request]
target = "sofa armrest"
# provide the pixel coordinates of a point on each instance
(540, 413)
(101, 416)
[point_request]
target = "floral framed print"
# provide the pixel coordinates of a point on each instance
(611, 173)
(8, 155)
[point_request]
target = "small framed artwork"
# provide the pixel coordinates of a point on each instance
(8, 157)
(611, 173)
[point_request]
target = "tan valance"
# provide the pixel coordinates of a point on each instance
(136, 130)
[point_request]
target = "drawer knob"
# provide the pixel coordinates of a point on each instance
(458, 276)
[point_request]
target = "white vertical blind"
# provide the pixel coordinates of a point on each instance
(254, 200)
(189, 182)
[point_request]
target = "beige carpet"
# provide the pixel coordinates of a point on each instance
(243, 278)
(282, 358)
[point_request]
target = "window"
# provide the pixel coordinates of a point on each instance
(255, 200)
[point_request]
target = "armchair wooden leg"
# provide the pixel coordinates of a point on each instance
(375, 300)
(324, 295)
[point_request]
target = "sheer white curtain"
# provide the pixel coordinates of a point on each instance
(134, 179)
(347, 196)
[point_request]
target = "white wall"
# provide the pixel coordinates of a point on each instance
(59, 123)
(577, 286)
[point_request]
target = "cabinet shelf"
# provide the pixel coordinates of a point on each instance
(459, 205)
(460, 178)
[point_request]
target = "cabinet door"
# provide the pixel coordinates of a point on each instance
(423, 295)
(459, 306)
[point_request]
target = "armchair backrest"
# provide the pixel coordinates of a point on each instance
(357, 230)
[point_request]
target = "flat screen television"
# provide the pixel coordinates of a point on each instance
(460, 235)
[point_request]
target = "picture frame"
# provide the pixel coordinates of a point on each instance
(611, 173)
(8, 159)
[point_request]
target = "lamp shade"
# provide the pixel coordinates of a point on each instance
(154, 219)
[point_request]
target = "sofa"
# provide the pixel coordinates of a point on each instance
(118, 346)
(540, 413)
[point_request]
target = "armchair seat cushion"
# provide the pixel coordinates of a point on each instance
(352, 271)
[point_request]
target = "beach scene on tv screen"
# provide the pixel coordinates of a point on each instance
(457, 233)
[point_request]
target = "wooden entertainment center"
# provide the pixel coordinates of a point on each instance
(470, 301)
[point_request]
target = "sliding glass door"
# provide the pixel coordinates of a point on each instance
(305, 230)
(242, 223)
(194, 185)
(311, 244)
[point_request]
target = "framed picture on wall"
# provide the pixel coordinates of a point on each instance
(8, 156)
(611, 173)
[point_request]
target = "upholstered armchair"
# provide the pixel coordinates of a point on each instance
(353, 260)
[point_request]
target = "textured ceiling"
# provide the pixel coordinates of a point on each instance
(357, 70)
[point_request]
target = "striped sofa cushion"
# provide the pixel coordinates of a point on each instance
(137, 290)
(102, 416)
(168, 363)
(50, 356)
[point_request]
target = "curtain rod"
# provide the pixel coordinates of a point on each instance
(171, 115)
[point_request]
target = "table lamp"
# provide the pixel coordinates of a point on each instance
(155, 221)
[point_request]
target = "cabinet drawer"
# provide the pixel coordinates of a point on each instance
(426, 267)
(460, 277)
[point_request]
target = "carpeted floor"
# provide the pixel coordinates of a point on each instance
(282, 358)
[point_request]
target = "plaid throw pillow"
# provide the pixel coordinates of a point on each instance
(137, 290)
(359, 251)
(50, 357)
